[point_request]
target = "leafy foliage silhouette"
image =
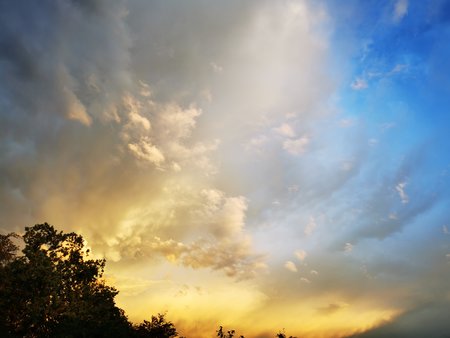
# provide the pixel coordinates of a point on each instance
(283, 335)
(7, 248)
(229, 334)
(157, 327)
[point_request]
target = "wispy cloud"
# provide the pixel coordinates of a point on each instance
(296, 146)
(359, 84)
(310, 226)
(400, 10)
(331, 308)
(401, 192)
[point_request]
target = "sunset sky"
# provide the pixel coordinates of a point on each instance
(256, 164)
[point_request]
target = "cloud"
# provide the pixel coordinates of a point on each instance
(234, 258)
(347, 165)
(359, 84)
(348, 247)
(400, 10)
(98, 144)
(55, 112)
(445, 230)
(331, 308)
(372, 142)
(296, 146)
(398, 68)
(164, 140)
(301, 255)
(75, 109)
(216, 68)
(165, 144)
(147, 152)
(392, 216)
(346, 123)
(310, 226)
(285, 130)
(388, 125)
(401, 192)
(428, 319)
(224, 216)
(130, 286)
(289, 265)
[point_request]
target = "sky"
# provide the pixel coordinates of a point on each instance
(261, 165)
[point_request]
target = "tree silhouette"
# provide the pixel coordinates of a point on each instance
(158, 327)
(53, 290)
(229, 334)
(7, 248)
(283, 335)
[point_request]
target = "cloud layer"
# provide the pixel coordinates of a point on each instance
(87, 145)
(266, 149)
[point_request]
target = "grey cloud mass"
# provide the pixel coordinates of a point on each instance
(85, 143)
